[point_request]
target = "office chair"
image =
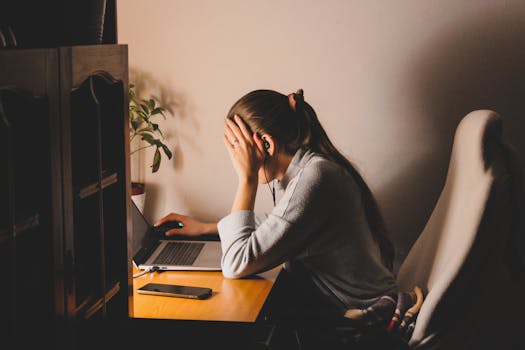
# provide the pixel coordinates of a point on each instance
(468, 250)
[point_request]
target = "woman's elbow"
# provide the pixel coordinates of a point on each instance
(232, 273)
(234, 269)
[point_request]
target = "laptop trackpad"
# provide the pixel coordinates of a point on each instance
(187, 255)
(210, 256)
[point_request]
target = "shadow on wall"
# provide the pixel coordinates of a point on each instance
(478, 64)
(176, 104)
(157, 194)
(179, 133)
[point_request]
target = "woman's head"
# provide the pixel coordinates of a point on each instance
(284, 118)
(289, 123)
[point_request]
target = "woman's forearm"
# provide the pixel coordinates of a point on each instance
(210, 228)
(245, 195)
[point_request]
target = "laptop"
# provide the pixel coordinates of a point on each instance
(151, 250)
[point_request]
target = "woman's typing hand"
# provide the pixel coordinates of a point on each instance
(190, 226)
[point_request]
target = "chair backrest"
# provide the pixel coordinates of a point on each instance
(469, 204)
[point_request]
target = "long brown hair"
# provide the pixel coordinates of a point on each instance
(294, 124)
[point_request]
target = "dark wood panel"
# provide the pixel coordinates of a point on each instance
(87, 60)
(54, 23)
(29, 237)
(6, 175)
(33, 69)
(29, 119)
(85, 139)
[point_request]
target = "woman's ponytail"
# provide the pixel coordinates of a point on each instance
(313, 136)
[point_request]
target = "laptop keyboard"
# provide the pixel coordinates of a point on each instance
(178, 253)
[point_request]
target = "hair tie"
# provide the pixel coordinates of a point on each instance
(294, 97)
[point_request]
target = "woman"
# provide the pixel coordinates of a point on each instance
(326, 228)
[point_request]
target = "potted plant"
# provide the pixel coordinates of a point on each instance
(142, 116)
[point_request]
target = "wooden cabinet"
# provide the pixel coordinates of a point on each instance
(27, 228)
(65, 189)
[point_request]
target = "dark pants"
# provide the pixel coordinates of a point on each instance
(308, 319)
(299, 299)
(303, 314)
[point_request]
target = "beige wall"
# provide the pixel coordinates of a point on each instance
(389, 80)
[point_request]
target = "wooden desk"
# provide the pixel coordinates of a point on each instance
(239, 300)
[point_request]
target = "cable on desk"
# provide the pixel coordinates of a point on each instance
(141, 273)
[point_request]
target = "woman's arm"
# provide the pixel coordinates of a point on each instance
(246, 154)
(308, 203)
(245, 195)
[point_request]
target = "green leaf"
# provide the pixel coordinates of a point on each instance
(158, 110)
(151, 104)
(140, 114)
(156, 161)
(135, 124)
(145, 129)
(167, 151)
(143, 115)
(148, 138)
(158, 142)
(144, 108)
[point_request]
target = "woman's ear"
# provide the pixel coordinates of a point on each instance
(269, 144)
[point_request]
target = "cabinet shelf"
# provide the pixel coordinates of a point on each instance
(93, 188)
(88, 308)
(21, 227)
(27, 224)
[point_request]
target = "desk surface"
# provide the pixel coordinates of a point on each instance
(233, 300)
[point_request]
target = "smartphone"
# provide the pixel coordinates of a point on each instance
(172, 290)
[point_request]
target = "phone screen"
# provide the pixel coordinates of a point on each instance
(175, 291)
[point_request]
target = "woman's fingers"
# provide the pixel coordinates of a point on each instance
(230, 135)
(238, 130)
(242, 126)
(169, 217)
(234, 129)
(229, 145)
(162, 220)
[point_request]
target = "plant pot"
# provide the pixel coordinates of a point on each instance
(138, 194)
(137, 188)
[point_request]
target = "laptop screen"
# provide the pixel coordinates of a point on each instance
(141, 229)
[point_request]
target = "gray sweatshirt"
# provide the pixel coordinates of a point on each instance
(319, 223)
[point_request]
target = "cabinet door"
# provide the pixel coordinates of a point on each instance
(28, 297)
(96, 116)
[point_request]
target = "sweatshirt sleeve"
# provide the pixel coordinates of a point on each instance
(249, 247)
